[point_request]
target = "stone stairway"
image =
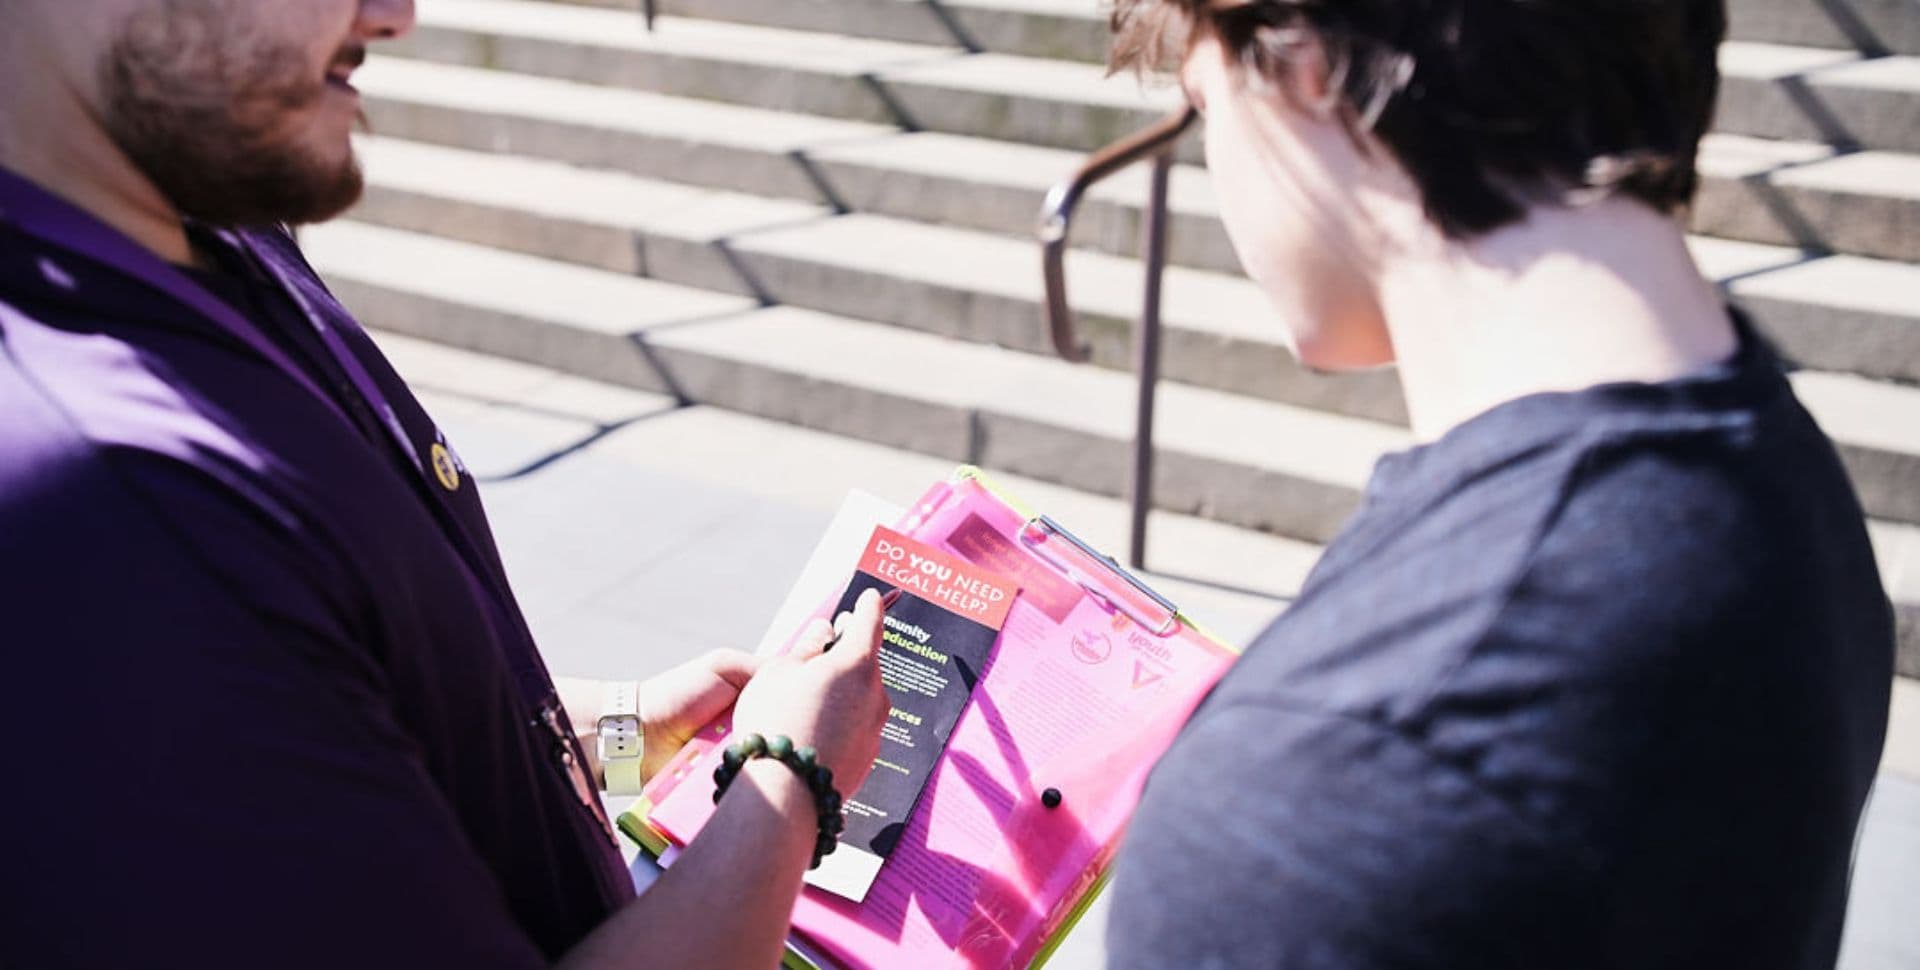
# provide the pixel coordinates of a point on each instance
(821, 212)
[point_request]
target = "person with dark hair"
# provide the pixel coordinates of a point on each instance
(273, 701)
(1598, 674)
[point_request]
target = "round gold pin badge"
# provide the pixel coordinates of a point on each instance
(444, 468)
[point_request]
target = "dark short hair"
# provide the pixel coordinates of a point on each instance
(1487, 104)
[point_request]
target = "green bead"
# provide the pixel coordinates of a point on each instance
(752, 746)
(722, 776)
(804, 758)
(780, 747)
(733, 757)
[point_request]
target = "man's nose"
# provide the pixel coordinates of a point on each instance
(385, 19)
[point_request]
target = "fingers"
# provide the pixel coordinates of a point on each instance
(860, 637)
(736, 667)
(812, 641)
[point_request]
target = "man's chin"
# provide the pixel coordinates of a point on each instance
(343, 193)
(290, 197)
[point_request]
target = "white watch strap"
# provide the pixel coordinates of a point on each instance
(620, 698)
(620, 743)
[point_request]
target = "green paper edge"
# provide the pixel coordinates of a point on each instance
(1059, 935)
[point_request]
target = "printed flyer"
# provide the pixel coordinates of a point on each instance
(936, 643)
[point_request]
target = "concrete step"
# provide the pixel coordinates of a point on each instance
(953, 282)
(983, 288)
(848, 165)
(1068, 30)
(965, 402)
(1868, 26)
(1077, 30)
(1838, 313)
(952, 83)
(1810, 196)
(586, 543)
(1793, 193)
(1026, 413)
(915, 87)
(1877, 427)
(1814, 94)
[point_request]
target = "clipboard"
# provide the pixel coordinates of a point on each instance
(1092, 677)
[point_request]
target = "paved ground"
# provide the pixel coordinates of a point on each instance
(638, 534)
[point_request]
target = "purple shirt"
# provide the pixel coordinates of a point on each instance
(272, 702)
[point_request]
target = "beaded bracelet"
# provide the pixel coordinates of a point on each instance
(804, 762)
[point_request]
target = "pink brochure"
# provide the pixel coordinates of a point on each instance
(1088, 684)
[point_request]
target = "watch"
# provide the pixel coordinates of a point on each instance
(620, 744)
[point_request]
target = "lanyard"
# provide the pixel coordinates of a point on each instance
(274, 266)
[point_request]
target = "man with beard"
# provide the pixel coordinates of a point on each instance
(272, 701)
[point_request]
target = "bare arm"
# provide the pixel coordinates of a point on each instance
(728, 900)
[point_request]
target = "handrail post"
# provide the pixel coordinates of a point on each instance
(1154, 144)
(1146, 355)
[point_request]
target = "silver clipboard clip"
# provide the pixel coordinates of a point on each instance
(1162, 620)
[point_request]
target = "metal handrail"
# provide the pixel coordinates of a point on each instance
(1056, 214)
(1056, 223)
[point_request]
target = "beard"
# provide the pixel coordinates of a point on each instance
(212, 117)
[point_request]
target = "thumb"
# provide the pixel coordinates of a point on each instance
(736, 667)
(860, 639)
